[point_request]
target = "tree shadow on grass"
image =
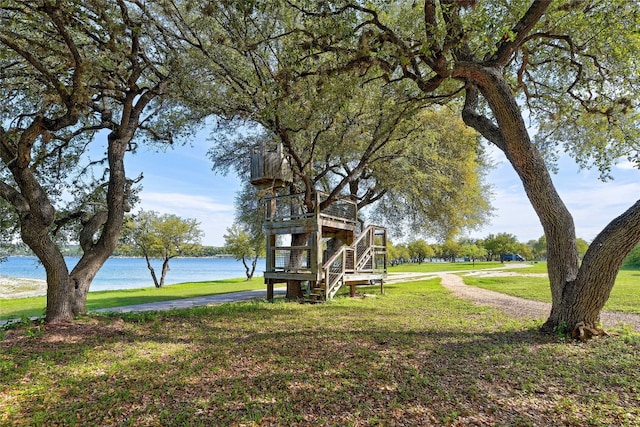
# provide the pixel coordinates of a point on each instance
(287, 364)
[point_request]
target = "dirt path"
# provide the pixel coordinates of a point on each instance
(523, 308)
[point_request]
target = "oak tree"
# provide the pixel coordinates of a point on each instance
(245, 246)
(165, 236)
(82, 83)
(375, 144)
(568, 68)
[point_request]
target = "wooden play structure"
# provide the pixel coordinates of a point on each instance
(332, 249)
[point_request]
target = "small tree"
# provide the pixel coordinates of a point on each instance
(420, 250)
(245, 247)
(397, 254)
(161, 236)
(450, 250)
(501, 243)
(473, 252)
(539, 248)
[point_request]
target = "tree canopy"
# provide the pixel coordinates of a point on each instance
(83, 82)
(339, 134)
(568, 67)
(164, 236)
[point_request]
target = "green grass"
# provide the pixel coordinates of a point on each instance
(34, 306)
(532, 268)
(15, 308)
(625, 295)
(414, 356)
(430, 267)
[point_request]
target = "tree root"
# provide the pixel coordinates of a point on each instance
(584, 332)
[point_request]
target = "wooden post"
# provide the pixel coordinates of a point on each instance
(269, 290)
(382, 286)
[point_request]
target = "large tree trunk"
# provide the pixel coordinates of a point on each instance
(37, 216)
(59, 307)
(578, 292)
(582, 300)
(107, 223)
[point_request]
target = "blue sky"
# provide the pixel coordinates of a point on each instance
(180, 181)
(593, 203)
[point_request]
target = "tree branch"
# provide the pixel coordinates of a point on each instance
(511, 42)
(480, 123)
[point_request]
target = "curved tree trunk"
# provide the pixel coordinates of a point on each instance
(151, 270)
(578, 292)
(582, 300)
(59, 306)
(108, 223)
(250, 269)
(37, 215)
(165, 269)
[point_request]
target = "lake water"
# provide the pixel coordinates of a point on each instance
(128, 273)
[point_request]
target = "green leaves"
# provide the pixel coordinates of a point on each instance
(163, 236)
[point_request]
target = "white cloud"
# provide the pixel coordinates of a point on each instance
(214, 217)
(595, 204)
(627, 165)
(513, 214)
(592, 203)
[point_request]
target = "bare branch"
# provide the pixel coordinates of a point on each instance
(511, 42)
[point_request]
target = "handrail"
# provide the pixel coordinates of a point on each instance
(291, 207)
(362, 251)
(334, 270)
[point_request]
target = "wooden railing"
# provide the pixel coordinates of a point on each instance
(292, 207)
(366, 255)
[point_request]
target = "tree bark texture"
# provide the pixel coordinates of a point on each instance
(108, 224)
(59, 306)
(37, 215)
(579, 291)
(583, 299)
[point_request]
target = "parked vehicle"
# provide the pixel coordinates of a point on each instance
(510, 257)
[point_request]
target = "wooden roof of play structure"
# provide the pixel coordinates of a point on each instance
(269, 168)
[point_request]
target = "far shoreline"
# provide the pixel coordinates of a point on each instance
(24, 277)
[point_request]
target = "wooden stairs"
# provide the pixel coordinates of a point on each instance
(361, 263)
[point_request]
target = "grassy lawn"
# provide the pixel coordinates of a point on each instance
(415, 356)
(625, 295)
(15, 308)
(34, 306)
(430, 267)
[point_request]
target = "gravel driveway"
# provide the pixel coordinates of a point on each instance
(523, 308)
